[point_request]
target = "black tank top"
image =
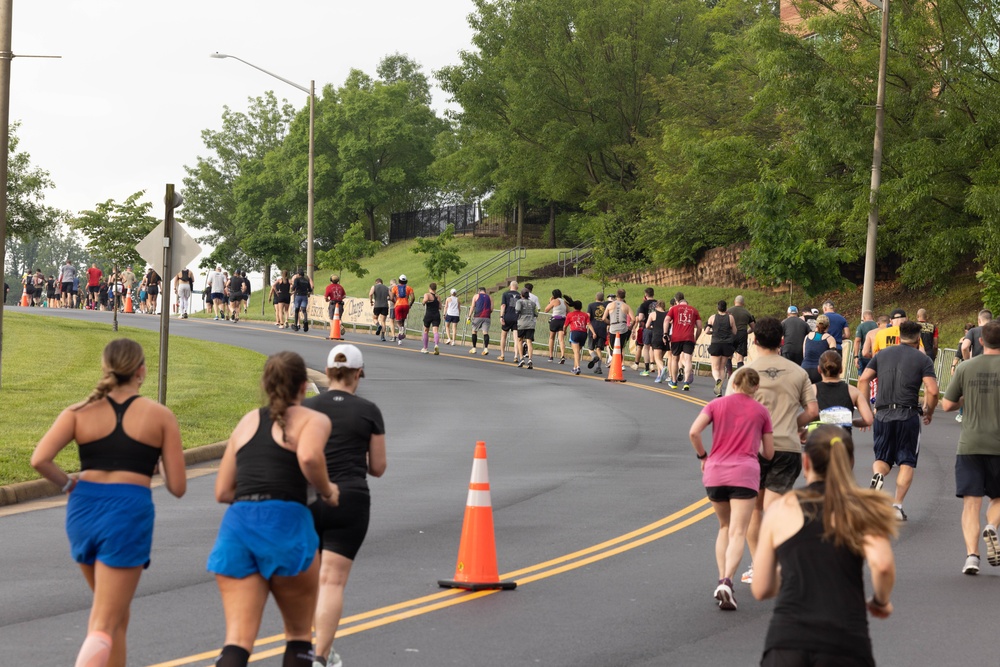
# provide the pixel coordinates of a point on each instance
(432, 307)
(821, 604)
(833, 395)
(281, 290)
(186, 277)
(656, 325)
(722, 332)
(118, 451)
(267, 471)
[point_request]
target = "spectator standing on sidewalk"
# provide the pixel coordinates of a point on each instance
(976, 387)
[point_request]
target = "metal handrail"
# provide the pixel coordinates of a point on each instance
(472, 279)
(574, 256)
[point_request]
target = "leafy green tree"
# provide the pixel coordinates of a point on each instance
(347, 253)
(27, 215)
(441, 258)
(47, 251)
(114, 230)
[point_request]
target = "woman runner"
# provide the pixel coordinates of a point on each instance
(815, 344)
(557, 304)
(452, 307)
(577, 323)
(356, 448)
(741, 427)
(720, 350)
(834, 394)
(432, 317)
(121, 437)
(152, 290)
(281, 297)
(267, 543)
(822, 536)
(658, 339)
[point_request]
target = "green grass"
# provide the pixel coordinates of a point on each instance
(50, 363)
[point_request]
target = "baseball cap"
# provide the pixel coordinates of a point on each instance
(793, 310)
(454, 291)
(402, 277)
(351, 353)
(815, 311)
(899, 312)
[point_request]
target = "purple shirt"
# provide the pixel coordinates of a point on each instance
(738, 424)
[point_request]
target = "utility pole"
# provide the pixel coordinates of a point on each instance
(868, 292)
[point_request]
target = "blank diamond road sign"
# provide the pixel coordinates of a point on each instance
(185, 248)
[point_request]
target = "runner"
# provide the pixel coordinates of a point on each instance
(839, 328)
(527, 318)
(432, 317)
(237, 289)
(598, 331)
(50, 292)
(94, 276)
(867, 325)
(557, 322)
(153, 281)
(121, 437)
(532, 296)
(67, 272)
(835, 395)
(685, 326)
(868, 347)
(790, 399)
(183, 287)
(658, 337)
(577, 322)
(642, 346)
(216, 283)
(281, 296)
(508, 319)
(480, 311)
(744, 327)
(143, 301)
(977, 464)
(452, 308)
(957, 360)
(815, 344)
(128, 282)
(741, 427)
(794, 329)
(971, 345)
(928, 334)
(900, 370)
(391, 319)
(889, 336)
(821, 537)
(102, 295)
(355, 448)
(267, 541)
(302, 287)
(722, 326)
(403, 297)
(334, 296)
(378, 297)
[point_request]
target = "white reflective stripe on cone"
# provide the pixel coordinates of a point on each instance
(480, 473)
(478, 499)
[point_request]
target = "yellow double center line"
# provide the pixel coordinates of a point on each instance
(448, 598)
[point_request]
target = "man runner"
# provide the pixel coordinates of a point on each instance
(334, 296)
(744, 326)
(480, 311)
(868, 324)
(685, 325)
(378, 297)
(928, 334)
(94, 276)
(67, 273)
(403, 296)
(508, 319)
(643, 347)
(971, 345)
(598, 331)
(302, 287)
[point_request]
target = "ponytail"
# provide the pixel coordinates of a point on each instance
(850, 513)
(284, 374)
(121, 360)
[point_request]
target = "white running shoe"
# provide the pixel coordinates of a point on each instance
(747, 577)
(724, 594)
(423, 351)
(971, 565)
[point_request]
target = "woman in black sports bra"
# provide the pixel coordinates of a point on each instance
(281, 297)
(822, 536)
(109, 516)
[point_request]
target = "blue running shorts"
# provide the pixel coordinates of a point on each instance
(269, 537)
(112, 523)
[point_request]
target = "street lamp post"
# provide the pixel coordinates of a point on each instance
(311, 91)
(868, 291)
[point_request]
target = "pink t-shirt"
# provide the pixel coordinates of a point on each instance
(738, 423)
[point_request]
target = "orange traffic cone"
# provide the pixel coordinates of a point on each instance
(24, 299)
(128, 303)
(335, 333)
(476, 569)
(615, 372)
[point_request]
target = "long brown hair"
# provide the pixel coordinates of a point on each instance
(284, 374)
(849, 512)
(121, 360)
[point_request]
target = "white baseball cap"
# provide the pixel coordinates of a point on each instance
(352, 356)
(402, 277)
(454, 291)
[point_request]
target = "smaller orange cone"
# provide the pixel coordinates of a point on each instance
(476, 569)
(128, 303)
(615, 372)
(24, 299)
(335, 333)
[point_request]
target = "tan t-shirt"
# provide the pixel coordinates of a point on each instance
(784, 390)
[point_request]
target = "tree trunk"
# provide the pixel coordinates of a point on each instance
(266, 290)
(552, 224)
(372, 232)
(520, 223)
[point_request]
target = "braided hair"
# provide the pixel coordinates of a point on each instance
(284, 375)
(121, 360)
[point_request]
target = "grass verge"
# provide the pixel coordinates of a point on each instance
(50, 363)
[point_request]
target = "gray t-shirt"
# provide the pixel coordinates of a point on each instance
(380, 294)
(742, 317)
(973, 337)
(900, 370)
(67, 273)
(795, 331)
(978, 381)
(527, 314)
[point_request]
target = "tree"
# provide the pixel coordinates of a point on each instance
(114, 230)
(352, 247)
(440, 257)
(47, 251)
(27, 215)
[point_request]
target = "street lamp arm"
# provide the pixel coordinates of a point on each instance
(261, 69)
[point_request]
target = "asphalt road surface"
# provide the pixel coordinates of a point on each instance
(600, 518)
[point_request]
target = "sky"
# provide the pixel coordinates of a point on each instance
(124, 107)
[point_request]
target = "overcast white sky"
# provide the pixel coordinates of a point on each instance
(124, 108)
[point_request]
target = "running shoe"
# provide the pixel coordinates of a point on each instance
(900, 514)
(550, 360)
(500, 357)
(295, 327)
(399, 342)
(635, 366)
(334, 660)
(576, 370)
(216, 318)
(485, 352)
(423, 350)
(659, 378)
(382, 339)
(472, 351)
(687, 386)
(958, 417)
(437, 350)
(378, 330)
(878, 481)
(724, 594)
(305, 325)
(644, 373)
(747, 577)
(672, 384)
(992, 545)
(590, 364)
(521, 362)
(562, 360)
(598, 371)
(718, 387)
(971, 564)
(530, 365)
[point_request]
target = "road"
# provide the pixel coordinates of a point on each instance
(600, 518)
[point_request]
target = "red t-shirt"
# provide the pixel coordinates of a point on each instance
(577, 320)
(335, 292)
(94, 276)
(683, 317)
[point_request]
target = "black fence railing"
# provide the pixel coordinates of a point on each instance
(432, 221)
